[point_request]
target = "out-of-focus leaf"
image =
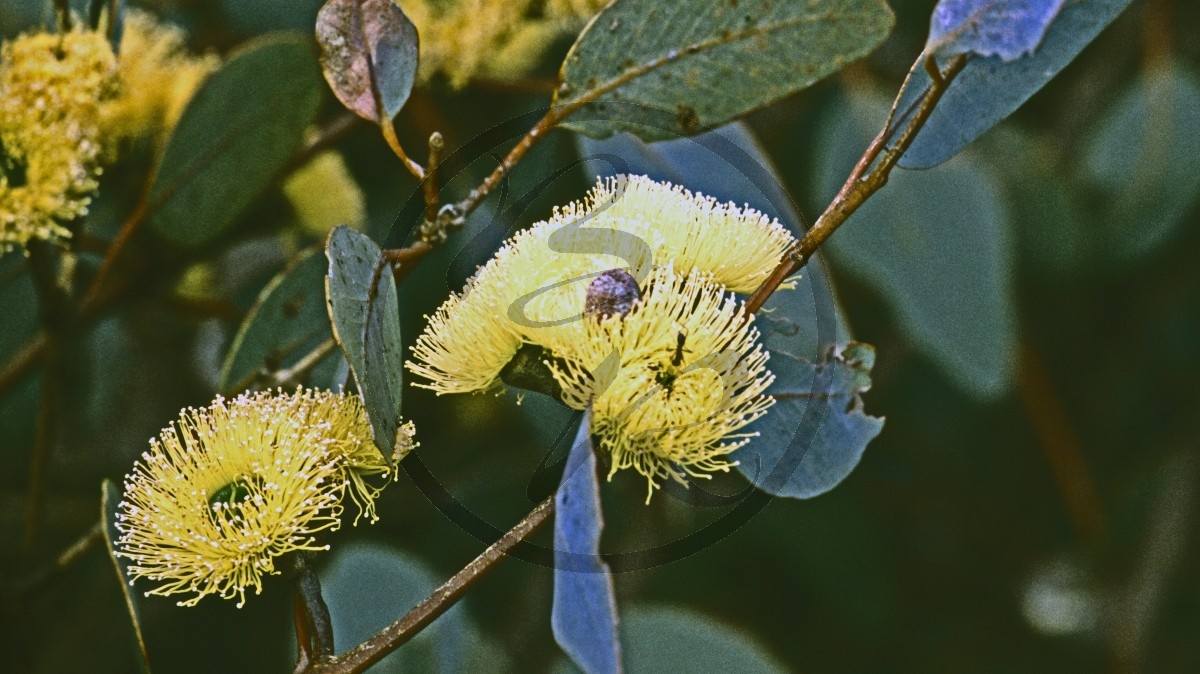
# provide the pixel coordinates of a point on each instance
(287, 321)
(584, 617)
(110, 497)
(936, 245)
(817, 431)
(729, 164)
(1008, 29)
(365, 313)
(676, 640)
(990, 89)
(368, 585)
(689, 65)
(368, 55)
(1143, 161)
(234, 137)
(1054, 237)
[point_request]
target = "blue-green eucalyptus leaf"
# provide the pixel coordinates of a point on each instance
(234, 137)
(584, 614)
(365, 313)
(670, 640)
(1008, 29)
(1143, 161)
(369, 585)
(817, 430)
(989, 89)
(706, 63)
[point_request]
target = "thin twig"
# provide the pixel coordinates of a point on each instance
(858, 189)
(326, 137)
(389, 135)
(130, 227)
(24, 361)
(306, 363)
(287, 375)
(65, 560)
(430, 185)
(395, 635)
(403, 260)
(1062, 448)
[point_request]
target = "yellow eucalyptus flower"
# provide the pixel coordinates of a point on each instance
(495, 38)
(51, 89)
(231, 487)
(672, 368)
(158, 77)
(542, 281)
(671, 382)
(325, 195)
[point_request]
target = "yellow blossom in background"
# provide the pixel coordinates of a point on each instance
(493, 38)
(231, 487)
(158, 77)
(543, 280)
(671, 378)
(51, 89)
(324, 195)
(671, 382)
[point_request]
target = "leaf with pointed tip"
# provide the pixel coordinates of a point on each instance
(365, 313)
(584, 615)
(110, 498)
(1008, 29)
(369, 55)
(989, 89)
(286, 322)
(663, 69)
(817, 431)
(233, 138)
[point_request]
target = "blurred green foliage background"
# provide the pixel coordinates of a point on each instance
(1030, 504)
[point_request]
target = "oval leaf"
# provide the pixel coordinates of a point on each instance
(817, 431)
(989, 89)
(110, 498)
(234, 137)
(670, 639)
(286, 322)
(584, 617)
(702, 64)
(936, 245)
(1008, 29)
(368, 585)
(1143, 161)
(365, 313)
(369, 55)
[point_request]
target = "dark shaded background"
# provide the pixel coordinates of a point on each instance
(1049, 528)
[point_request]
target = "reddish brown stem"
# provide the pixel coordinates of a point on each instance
(424, 613)
(858, 188)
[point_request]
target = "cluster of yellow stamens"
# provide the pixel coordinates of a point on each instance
(688, 372)
(231, 487)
